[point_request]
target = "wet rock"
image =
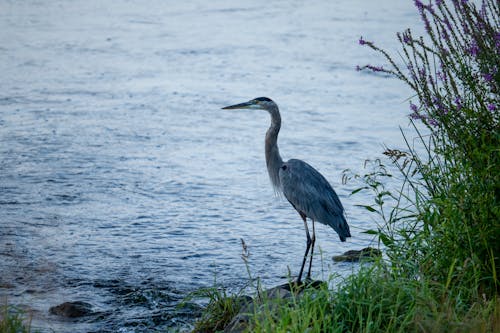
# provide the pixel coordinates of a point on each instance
(275, 297)
(72, 309)
(238, 324)
(368, 253)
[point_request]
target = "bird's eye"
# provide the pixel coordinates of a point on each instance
(284, 167)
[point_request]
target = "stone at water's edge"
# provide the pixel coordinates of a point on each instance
(284, 292)
(72, 309)
(368, 253)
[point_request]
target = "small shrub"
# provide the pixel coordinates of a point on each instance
(220, 310)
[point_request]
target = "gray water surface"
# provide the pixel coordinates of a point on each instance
(123, 183)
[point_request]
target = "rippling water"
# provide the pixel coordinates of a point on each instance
(124, 185)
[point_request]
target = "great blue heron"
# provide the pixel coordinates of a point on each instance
(304, 187)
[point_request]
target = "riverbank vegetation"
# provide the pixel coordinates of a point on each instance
(13, 320)
(440, 228)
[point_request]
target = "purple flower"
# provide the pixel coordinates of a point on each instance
(406, 38)
(426, 22)
(473, 49)
(439, 2)
(372, 68)
(458, 103)
(432, 122)
(411, 69)
(415, 116)
(425, 119)
(422, 73)
(487, 77)
(436, 101)
(419, 5)
(448, 24)
(482, 13)
(376, 68)
(442, 76)
(413, 107)
(492, 107)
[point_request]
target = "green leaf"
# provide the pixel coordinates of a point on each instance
(368, 208)
(359, 189)
(387, 241)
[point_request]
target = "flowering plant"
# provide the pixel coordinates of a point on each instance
(454, 71)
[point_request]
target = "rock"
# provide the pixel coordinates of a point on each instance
(273, 297)
(72, 309)
(368, 253)
(238, 324)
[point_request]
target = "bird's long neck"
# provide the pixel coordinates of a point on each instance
(273, 158)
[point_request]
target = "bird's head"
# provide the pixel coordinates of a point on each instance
(259, 103)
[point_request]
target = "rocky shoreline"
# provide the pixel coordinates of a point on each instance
(269, 301)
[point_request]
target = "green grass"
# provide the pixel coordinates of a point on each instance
(13, 320)
(219, 311)
(372, 300)
(370, 303)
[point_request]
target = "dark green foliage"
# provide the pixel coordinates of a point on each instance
(455, 74)
(13, 320)
(219, 311)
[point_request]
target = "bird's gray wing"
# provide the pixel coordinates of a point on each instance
(309, 192)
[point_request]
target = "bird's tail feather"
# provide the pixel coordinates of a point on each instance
(342, 228)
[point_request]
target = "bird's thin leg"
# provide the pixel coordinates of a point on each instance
(313, 240)
(307, 247)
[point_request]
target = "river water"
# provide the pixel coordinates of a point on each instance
(122, 182)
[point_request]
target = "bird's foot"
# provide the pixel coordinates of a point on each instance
(305, 281)
(299, 285)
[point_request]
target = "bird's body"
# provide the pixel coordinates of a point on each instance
(310, 193)
(302, 185)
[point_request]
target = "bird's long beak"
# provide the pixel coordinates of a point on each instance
(245, 105)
